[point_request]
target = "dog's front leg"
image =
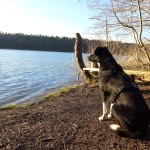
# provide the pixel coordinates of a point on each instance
(110, 113)
(104, 112)
(104, 107)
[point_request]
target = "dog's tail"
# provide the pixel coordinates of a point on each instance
(134, 135)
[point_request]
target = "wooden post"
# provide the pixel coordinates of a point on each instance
(78, 52)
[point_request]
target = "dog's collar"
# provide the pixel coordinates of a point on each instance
(109, 72)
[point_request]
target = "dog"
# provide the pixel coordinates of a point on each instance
(127, 105)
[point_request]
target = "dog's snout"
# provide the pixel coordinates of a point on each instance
(93, 58)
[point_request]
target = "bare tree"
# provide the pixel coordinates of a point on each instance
(125, 19)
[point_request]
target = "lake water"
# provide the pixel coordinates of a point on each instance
(26, 74)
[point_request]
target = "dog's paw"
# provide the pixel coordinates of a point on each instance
(101, 118)
(109, 116)
(114, 126)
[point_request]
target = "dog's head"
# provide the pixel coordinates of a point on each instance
(100, 52)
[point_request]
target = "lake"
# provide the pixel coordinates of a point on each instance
(26, 74)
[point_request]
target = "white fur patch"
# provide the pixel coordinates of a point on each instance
(114, 126)
(101, 118)
(109, 116)
(104, 109)
(104, 112)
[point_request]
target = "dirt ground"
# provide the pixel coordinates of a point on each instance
(68, 122)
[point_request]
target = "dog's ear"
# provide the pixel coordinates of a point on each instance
(101, 50)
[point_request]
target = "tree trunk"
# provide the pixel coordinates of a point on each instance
(78, 52)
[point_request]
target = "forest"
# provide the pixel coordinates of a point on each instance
(59, 44)
(36, 42)
(52, 43)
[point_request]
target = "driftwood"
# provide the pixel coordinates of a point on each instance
(78, 52)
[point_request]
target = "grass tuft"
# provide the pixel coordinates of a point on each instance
(28, 105)
(9, 107)
(58, 93)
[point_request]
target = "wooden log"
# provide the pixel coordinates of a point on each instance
(92, 69)
(79, 59)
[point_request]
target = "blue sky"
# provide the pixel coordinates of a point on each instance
(46, 17)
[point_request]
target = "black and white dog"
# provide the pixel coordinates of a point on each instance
(127, 104)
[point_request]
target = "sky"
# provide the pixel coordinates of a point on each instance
(45, 17)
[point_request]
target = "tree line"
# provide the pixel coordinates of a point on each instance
(55, 43)
(37, 42)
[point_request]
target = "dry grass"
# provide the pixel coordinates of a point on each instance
(140, 75)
